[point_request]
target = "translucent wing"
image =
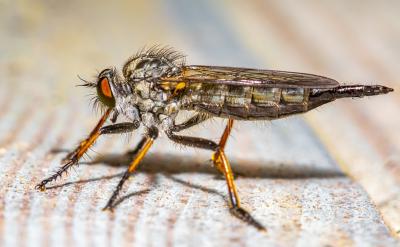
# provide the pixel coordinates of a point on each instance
(249, 77)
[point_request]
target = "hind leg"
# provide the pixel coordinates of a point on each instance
(221, 162)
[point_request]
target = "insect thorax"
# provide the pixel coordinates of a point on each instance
(143, 72)
(153, 64)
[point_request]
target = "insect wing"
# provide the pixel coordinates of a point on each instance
(249, 77)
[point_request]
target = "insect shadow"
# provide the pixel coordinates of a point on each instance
(172, 164)
(178, 164)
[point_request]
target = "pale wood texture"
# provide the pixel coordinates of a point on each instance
(329, 179)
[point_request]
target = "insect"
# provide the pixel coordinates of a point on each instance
(156, 85)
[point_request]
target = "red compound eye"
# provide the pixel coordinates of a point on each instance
(104, 92)
(105, 88)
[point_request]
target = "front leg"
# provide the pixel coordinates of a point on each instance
(72, 158)
(119, 128)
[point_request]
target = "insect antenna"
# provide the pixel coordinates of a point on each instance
(86, 83)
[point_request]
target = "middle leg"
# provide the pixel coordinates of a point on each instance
(143, 146)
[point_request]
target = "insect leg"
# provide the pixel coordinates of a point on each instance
(132, 153)
(143, 146)
(72, 158)
(222, 163)
(119, 128)
(193, 141)
(196, 119)
(216, 158)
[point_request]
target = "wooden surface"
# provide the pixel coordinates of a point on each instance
(328, 178)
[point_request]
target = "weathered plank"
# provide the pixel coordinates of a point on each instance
(290, 175)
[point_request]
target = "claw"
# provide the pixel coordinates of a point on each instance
(40, 187)
(108, 208)
(246, 217)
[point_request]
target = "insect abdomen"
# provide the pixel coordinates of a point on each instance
(247, 102)
(257, 103)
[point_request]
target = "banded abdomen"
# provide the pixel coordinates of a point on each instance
(263, 102)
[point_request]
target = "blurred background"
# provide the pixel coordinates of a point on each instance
(329, 176)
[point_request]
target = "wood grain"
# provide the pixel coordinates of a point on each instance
(329, 179)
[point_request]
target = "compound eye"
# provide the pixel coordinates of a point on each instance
(105, 87)
(104, 92)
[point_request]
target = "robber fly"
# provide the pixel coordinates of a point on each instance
(156, 85)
